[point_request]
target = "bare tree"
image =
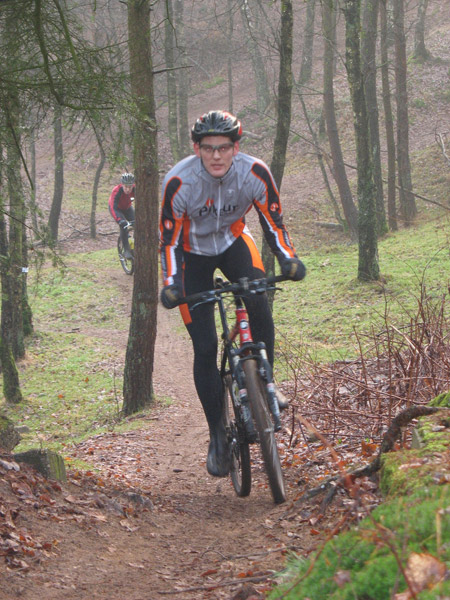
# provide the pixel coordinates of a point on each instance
(251, 19)
(138, 375)
(284, 112)
(58, 187)
(169, 43)
(407, 201)
(339, 173)
(308, 43)
(420, 50)
(369, 69)
(182, 83)
(368, 269)
(388, 118)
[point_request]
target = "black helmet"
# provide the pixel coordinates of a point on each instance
(217, 122)
(127, 179)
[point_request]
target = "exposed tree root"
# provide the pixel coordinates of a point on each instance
(346, 480)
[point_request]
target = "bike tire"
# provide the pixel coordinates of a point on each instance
(263, 422)
(240, 467)
(127, 263)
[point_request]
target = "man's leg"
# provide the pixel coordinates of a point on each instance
(198, 276)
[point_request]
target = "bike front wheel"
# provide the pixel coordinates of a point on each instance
(127, 263)
(240, 469)
(256, 391)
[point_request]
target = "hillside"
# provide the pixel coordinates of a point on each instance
(144, 520)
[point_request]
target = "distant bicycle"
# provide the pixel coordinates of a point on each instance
(250, 410)
(127, 263)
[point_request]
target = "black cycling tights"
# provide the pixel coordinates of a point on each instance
(199, 271)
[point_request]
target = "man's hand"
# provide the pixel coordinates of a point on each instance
(293, 268)
(123, 223)
(170, 294)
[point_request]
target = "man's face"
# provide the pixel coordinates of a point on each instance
(127, 188)
(216, 152)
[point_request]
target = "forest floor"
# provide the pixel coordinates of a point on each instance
(148, 521)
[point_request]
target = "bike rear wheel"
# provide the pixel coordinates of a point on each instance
(127, 263)
(263, 422)
(240, 469)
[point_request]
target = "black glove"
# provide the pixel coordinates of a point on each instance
(170, 294)
(293, 268)
(123, 223)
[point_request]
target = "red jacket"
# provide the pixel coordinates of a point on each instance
(119, 201)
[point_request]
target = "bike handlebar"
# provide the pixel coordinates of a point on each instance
(244, 287)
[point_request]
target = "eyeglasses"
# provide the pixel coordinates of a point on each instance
(222, 149)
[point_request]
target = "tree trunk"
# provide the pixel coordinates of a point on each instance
(230, 56)
(388, 118)
(407, 200)
(368, 269)
(11, 385)
(308, 43)
(98, 172)
(55, 210)
(369, 69)
(420, 51)
(339, 173)
(183, 84)
(284, 113)
(12, 294)
(27, 313)
(169, 43)
(138, 374)
(251, 21)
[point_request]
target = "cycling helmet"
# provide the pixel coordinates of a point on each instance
(127, 179)
(217, 122)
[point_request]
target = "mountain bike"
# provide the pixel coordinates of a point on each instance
(250, 408)
(127, 263)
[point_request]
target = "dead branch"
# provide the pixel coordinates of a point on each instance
(440, 140)
(346, 480)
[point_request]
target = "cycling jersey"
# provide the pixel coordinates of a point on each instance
(119, 202)
(204, 215)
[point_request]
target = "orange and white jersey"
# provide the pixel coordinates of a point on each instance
(204, 215)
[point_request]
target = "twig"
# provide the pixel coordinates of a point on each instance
(214, 586)
(344, 481)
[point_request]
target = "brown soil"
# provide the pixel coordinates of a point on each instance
(150, 522)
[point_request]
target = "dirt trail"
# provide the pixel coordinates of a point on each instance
(153, 523)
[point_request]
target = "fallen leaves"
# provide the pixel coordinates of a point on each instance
(422, 572)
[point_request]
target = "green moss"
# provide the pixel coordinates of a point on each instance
(369, 554)
(403, 472)
(442, 400)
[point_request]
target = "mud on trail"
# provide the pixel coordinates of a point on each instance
(149, 522)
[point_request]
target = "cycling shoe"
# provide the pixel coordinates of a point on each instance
(218, 461)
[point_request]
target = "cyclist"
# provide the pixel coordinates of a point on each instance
(205, 198)
(121, 208)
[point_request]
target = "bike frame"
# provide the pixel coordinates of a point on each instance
(234, 355)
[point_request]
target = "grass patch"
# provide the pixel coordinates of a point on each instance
(328, 307)
(364, 562)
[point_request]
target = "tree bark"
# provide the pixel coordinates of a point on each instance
(368, 269)
(407, 200)
(183, 84)
(339, 173)
(369, 69)
(308, 43)
(420, 50)
(169, 43)
(138, 374)
(58, 190)
(388, 118)
(98, 172)
(251, 20)
(230, 56)
(284, 114)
